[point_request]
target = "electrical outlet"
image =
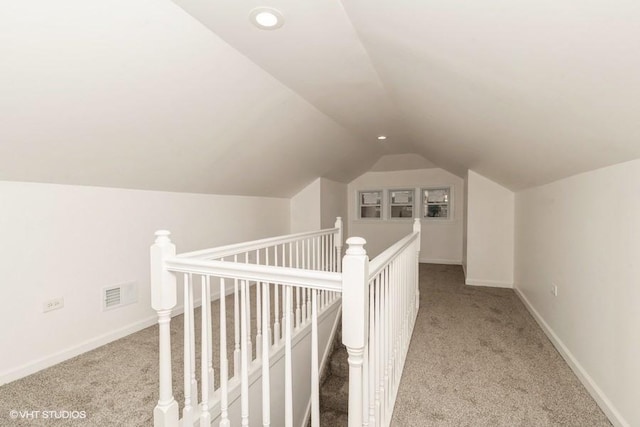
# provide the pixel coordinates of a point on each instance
(554, 289)
(53, 304)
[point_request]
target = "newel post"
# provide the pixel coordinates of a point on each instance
(338, 242)
(355, 321)
(163, 299)
(417, 228)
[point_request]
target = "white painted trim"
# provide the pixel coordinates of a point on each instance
(464, 269)
(440, 261)
(389, 254)
(73, 351)
(489, 283)
(314, 279)
(90, 344)
(241, 248)
(596, 392)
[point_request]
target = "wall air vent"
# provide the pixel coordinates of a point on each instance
(118, 296)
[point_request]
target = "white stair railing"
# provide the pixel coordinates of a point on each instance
(292, 279)
(296, 280)
(379, 308)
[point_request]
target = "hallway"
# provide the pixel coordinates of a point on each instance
(477, 358)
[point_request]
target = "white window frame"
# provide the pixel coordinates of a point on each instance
(360, 205)
(391, 204)
(424, 209)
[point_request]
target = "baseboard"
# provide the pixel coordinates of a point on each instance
(440, 261)
(598, 395)
(73, 351)
(489, 283)
(91, 344)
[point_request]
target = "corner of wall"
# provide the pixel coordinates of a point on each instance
(490, 232)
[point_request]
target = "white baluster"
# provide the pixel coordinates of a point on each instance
(276, 317)
(372, 354)
(244, 371)
(267, 325)
(284, 309)
(163, 299)
(314, 254)
(205, 348)
(365, 386)
(192, 336)
(266, 389)
(417, 227)
(236, 325)
(288, 375)
(355, 321)
(258, 315)
(298, 311)
(323, 255)
(392, 330)
(315, 371)
(302, 292)
(258, 320)
(338, 244)
(224, 364)
(307, 310)
(387, 341)
(210, 338)
(248, 296)
(187, 411)
(379, 349)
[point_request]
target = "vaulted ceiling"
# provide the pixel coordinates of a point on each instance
(190, 96)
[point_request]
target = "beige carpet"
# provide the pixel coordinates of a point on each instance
(117, 384)
(477, 358)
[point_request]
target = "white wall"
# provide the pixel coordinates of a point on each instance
(305, 208)
(333, 204)
(490, 216)
(71, 241)
(441, 239)
(317, 205)
(583, 235)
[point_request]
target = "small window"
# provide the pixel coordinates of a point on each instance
(370, 204)
(401, 202)
(436, 203)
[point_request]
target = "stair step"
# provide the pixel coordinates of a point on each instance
(334, 394)
(340, 362)
(333, 419)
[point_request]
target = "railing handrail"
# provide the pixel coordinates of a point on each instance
(238, 248)
(312, 279)
(382, 260)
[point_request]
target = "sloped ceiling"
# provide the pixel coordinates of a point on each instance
(189, 96)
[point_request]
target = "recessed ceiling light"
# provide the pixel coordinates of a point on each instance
(266, 18)
(382, 137)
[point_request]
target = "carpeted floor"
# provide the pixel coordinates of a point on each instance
(478, 358)
(116, 384)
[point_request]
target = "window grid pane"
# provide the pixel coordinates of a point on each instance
(370, 204)
(436, 202)
(401, 203)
